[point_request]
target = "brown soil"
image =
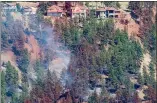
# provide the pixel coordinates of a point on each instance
(140, 92)
(131, 27)
(33, 48)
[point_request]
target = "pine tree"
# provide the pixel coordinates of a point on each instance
(140, 79)
(11, 76)
(3, 87)
(23, 60)
(145, 76)
(94, 98)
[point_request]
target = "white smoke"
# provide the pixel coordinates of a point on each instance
(61, 57)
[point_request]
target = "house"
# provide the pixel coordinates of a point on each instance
(55, 11)
(79, 11)
(107, 12)
(9, 7)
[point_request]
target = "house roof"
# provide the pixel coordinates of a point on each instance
(106, 8)
(83, 7)
(54, 8)
(101, 9)
(111, 8)
(78, 9)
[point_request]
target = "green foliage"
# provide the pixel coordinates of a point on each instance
(125, 53)
(102, 30)
(89, 30)
(93, 98)
(5, 32)
(48, 21)
(150, 42)
(92, 13)
(43, 7)
(71, 36)
(39, 69)
(108, 3)
(129, 85)
(11, 76)
(149, 78)
(146, 76)
(24, 94)
(112, 4)
(23, 61)
(152, 81)
(18, 6)
(80, 84)
(40, 15)
(118, 5)
(4, 43)
(105, 31)
(133, 5)
(140, 79)
(42, 10)
(92, 30)
(87, 4)
(3, 87)
(14, 98)
(123, 56)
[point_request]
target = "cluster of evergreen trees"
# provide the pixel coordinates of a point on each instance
(120, 56)
(9, 83)
(97, 49)
(13, 39)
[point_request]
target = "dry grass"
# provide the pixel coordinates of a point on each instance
(145, 63)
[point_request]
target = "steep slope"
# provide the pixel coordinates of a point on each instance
(9, 56)
(33, 47)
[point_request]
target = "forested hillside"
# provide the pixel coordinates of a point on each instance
(85, 59)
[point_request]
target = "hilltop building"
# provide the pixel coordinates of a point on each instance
(79, 11)
(70, 9)
(107, 12)
(55, 11)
